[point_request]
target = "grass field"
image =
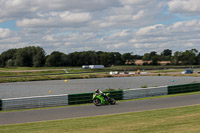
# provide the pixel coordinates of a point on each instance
(173, 120)
(22, 74)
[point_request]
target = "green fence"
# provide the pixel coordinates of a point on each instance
(87, 97)
(0, 104)
(184, 88)
(117, 95)
(80, 98)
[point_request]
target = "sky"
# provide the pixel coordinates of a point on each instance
(125, 26)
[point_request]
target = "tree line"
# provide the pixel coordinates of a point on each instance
(36, 57)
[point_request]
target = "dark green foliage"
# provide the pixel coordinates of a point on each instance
(30, 56)
(56, 59)
(94, 58)
(35, 57)
(7, 58)
(167, 52)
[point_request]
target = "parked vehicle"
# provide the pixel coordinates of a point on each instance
(99, 100)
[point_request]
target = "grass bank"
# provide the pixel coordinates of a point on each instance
(22, 74)
(178, 120)
(53, 77)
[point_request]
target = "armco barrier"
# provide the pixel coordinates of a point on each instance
(0, 104)
(144, 92)
(117, 95)
(183, 88)
(70, 99)
(80, 98)
(87, 97)
(34, 102)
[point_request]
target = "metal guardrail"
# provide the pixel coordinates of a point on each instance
(145, 92)
(87, 97)
(117, 95)
(82, 98)
(34, 102)
(0, 104)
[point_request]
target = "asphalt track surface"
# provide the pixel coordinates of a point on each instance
(91, 110)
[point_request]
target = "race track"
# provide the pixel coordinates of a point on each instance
(91, 110)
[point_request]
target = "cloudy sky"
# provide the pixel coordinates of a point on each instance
(137, 26)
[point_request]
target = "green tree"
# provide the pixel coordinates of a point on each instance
(146, 57)
(198, 59)
(188, 57)
(56, 59)
(104, 59)
(39, 58)
(167, 52)
(30, 56)
(166, 55)
(127, 57)
(155, 60)
(152, 54)
(176, 58)
(7, 57)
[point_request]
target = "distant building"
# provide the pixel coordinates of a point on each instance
(96, 66)
(85, 67)
(129, 62)
(93, 66)
(141, 62)
(164, 63)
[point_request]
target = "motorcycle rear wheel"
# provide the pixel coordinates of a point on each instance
(112, 101)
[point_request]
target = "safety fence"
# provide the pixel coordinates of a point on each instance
(183, 88)
(82, 98)
(144, 92)
(0, 104)
(87, 97)
(34, 102)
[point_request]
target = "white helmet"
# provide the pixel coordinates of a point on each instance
(97, 91)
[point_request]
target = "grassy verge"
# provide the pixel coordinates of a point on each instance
(179, 120)
(53, 77)
(22, 74)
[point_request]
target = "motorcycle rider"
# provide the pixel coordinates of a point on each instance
(99, 92)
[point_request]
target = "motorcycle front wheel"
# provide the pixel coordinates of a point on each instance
(97, 102)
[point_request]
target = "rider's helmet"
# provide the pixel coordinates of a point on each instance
(97, 91)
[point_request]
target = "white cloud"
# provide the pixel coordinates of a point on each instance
(149, 30)
(4, 32)
(20, 9)
(14, 9)
(55, 19)
(190, 7)
(128, 2)
(107, 25)
(180, 35)
(76, 5)
(49, 38)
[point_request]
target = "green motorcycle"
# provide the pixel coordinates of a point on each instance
(103, 99)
